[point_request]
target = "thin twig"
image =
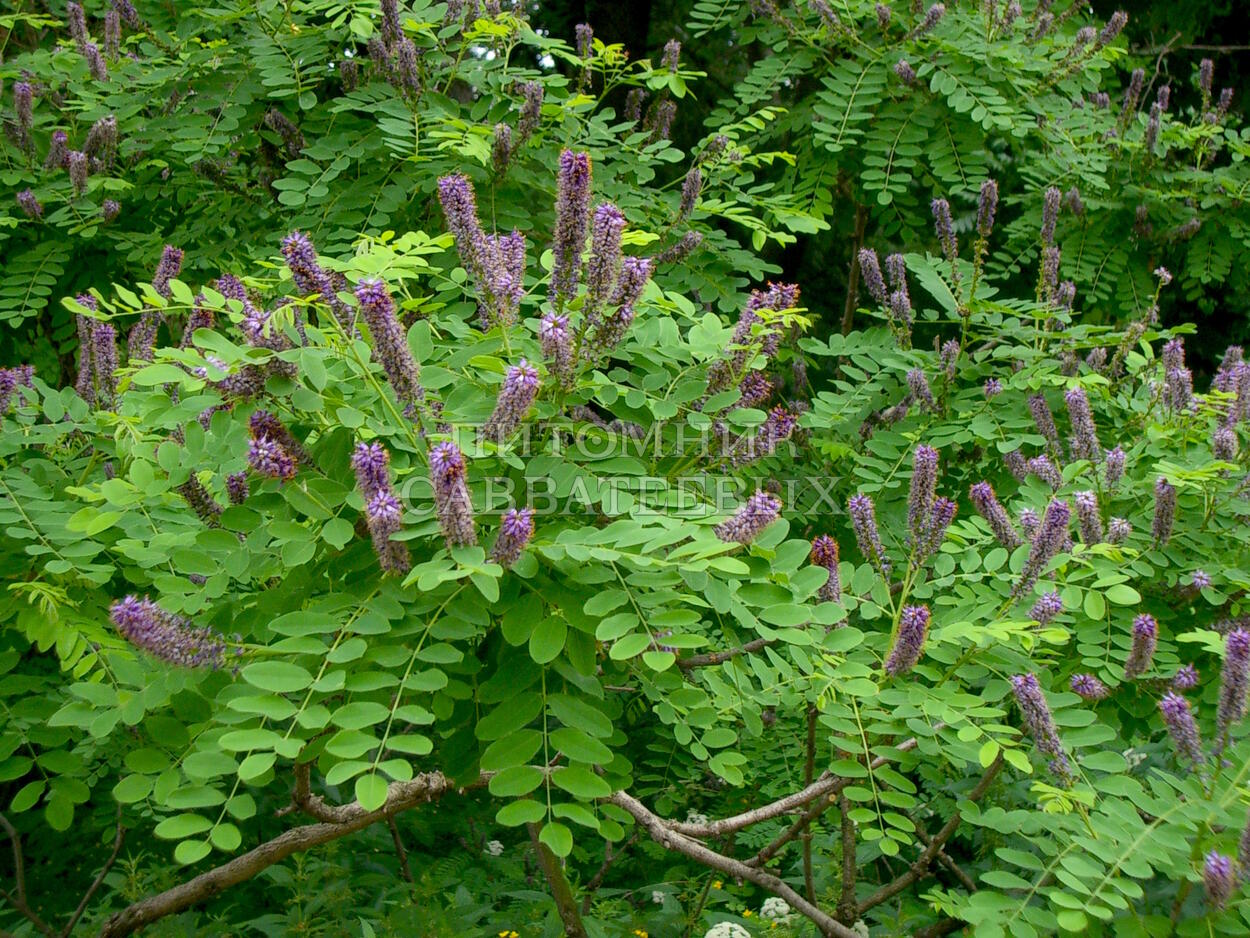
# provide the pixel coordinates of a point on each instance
(95, 885)
(719, 657)
(809, 769)
(18, 900)
(610, 856)
(847, 908)
(404, 871)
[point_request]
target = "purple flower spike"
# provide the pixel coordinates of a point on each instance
(987, 206)
(451, 495)
(390, 343)
(864, 520)
(1050, 538)
(515, 531)
(945, 229)
(1185, 678)
(520, 387)
(1181, 727)
(870, 270)
(1224, 444)
(776, 429)
(635, 272)
(311, 278)
(557, 345)
(1050, 214)
(918, 386)
(1113, 467)
(1118, 531)
(383, 512)
(923, 492)
(1088, 517)
(825, 554)
(1044, 421)
(236, 487)
(170, 638)
(268, 458)
(27, 202)
(1035, 714)
(1044, 469)
(169, 267)
(1016, 465)
(572, 219)
(264, 424)
(1088, 687)
(989, 507)
(606, 229)
(201, 502)
(1165, 511)
(913, 628)
(1217, 869)
(1233, 683)
(1243, 852)
(761, 510)
(1048, 606)
(1085, 443)
(1145, 637)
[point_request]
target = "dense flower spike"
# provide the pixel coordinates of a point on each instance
(572, 220)
(1088, 517)
(1048, 606)
(515, 531)
(264, 424)
(170, 638)
(1088, 687)
(1035, 714)
(201, 502)
(1085, 443)
(913, 628)
(311, 278)
(825, 554)
(383, 513)
(104, 361)
(1113, 467)
(1182, 727)
(918, 387)
(1118, 531)
(30, 205)
(993, 388)
(864, 521)
(390, 343)
(987, 207)
(237, 488)
(1234, 680)
(775, 429)
(760, 510)
(923, 492)
(451, 495)
(520, 387)
(946, 232)
(79, 169)
(679, 251)
(690, 189)
(606, 228)
(1185, 678)
(756, 389)
(1050, 215)
(989, 507)
(1217, 869)
(1044, 420)
(1016, 465)
(269, 458)
(557, 346)
(1050, 538)
(1165, 511)
(635, 272)
(1044, 469)
(870, 270)
(1142, 652)
(167, 269)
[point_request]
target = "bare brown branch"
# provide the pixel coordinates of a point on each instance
(665, 836)
(348, 819)
(561, 891)
(95, 885)
(17, 899)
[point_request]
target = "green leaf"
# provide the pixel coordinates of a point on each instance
(1094, 605)
(181, 825)
(281, 677)
(1123, 595)
(513, 749)
(547, 639)
(581, 783)
(192, 851)
(515, 781)
(520, 812)
(371, 791)
(558, 838)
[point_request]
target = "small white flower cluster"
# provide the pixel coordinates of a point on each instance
(861, 928)
(694, 817)
(494, 848)
(775, 909)
(657, 896)
(727, 930)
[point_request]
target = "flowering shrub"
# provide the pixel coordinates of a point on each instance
(492, 545)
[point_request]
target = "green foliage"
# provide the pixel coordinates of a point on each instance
(635, 658)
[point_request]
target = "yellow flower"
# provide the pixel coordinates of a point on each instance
(506, 933)
(640, 933)
(716, 884)
(747, 914)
